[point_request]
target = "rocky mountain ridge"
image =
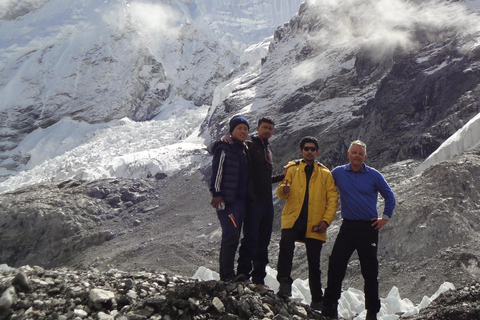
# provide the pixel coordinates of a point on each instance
(403, 100)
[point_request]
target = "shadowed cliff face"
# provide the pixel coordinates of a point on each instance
(416, 108)
(402, 98)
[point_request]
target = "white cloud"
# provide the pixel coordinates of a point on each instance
(11, 9)
(156, 20)
(156, 23)
(389, 24)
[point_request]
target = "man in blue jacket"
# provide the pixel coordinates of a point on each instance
(358, 185)
(258, 222)
(228, 186)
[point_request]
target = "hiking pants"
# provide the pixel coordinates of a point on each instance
(360, 236)
(231, 220)
(253, 253)
(285, 260)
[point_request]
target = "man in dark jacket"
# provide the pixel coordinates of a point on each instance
(257, 229)
(229, 191)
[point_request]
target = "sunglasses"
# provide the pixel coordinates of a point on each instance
(309, 149)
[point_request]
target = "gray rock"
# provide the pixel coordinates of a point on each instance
(6, 300)
(218, 305)
(21, 282)
(100, 295)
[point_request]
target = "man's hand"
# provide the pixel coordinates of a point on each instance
(286, 188)
(226, 139)
(320, 227)
(218, 203)
(379, 223)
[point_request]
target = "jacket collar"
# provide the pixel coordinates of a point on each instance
(314, 162)
(257, 138)
(349, 168)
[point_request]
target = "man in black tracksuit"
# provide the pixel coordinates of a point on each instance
(229, 183)
(257, 228)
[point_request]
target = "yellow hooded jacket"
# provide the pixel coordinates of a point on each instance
(323, 197)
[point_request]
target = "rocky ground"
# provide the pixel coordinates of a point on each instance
(463, 303)
(38, 293)
(156, 224)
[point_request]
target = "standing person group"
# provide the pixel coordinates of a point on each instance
(257, 204)
(242, 195)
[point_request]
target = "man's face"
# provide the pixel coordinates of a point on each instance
(356, 155)
(240, 132)
(265, 130)
(309, 152)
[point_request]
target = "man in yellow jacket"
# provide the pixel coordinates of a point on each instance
(311, 204)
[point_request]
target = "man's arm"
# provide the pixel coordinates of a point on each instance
(283, 188)
(390, 202)
(217, 203)
(279, 177)
(332, 198)
(227, 139)
(387, 195)
(217, 177)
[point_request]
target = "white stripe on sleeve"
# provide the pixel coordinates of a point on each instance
(218, 178)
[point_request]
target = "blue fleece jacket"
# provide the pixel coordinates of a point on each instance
(359, 192)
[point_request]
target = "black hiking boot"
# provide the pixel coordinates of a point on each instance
(371, 315)
(240, 278)
(285, 289)
(317, 305)
(330, 311)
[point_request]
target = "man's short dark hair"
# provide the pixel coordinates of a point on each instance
(266, 119)
(308, 140)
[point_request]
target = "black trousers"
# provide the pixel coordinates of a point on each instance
(231, 220)
(253, 253)
(360, 236)
(285, 259)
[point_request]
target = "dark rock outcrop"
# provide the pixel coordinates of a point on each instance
(403, 102)
(165, 224)
(462, 303)
(40, 226)
(90, 294)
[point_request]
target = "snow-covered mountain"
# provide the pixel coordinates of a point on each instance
(91, 93)
(78, 67)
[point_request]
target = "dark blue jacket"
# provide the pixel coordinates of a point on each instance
(260, 187)
(229, 171)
